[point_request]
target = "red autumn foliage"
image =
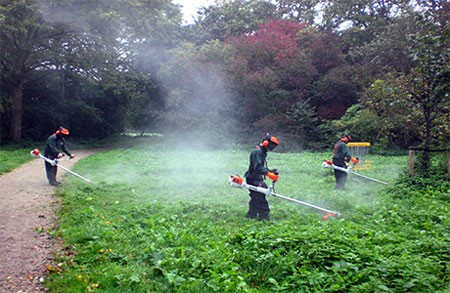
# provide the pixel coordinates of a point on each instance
(274, 41)
(284, 62)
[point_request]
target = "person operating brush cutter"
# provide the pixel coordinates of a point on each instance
(54, 150)
(255, 175)
(341, 155)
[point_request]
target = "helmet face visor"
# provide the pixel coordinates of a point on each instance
(271, 146)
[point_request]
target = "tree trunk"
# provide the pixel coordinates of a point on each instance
(411, 157)
(427, 142)
(15, 122)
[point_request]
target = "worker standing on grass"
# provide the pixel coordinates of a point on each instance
(341, 156)
(257, 170)
(54, 150)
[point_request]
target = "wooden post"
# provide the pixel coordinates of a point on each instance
(412, 152)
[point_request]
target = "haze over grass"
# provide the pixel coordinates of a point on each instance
(161, 218)
(166, 174)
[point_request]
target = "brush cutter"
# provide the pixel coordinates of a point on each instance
(37, 154)
(329, 164)
(236, 181)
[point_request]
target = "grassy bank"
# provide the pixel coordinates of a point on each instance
(13, 156)
(163, 219)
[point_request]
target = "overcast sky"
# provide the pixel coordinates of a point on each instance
(190, 7)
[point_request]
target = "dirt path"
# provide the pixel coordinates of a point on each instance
(27, 206)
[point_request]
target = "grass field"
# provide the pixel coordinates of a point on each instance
(13, 156)
(163, 219)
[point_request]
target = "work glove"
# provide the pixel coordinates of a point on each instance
(355, 160)
(272, 176)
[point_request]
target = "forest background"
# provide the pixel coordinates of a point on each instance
(303, 70)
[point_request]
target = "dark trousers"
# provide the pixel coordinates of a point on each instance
(258, 205)
(341, 177)
(51, 172)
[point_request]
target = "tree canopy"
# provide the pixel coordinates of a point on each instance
(306, 70)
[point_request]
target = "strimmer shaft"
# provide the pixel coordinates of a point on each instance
(304, 203)
(236, 181)
(325, 165)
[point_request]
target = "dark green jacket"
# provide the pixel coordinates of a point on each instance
(341, 151)
(54, 146)
(258, 166)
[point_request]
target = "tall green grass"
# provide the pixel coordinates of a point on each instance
(163, 219)
(13, 156)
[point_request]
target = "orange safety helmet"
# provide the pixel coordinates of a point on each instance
(62, 130)
(346, 137)
(270, 139)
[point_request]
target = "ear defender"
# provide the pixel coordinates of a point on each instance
(265, 143)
